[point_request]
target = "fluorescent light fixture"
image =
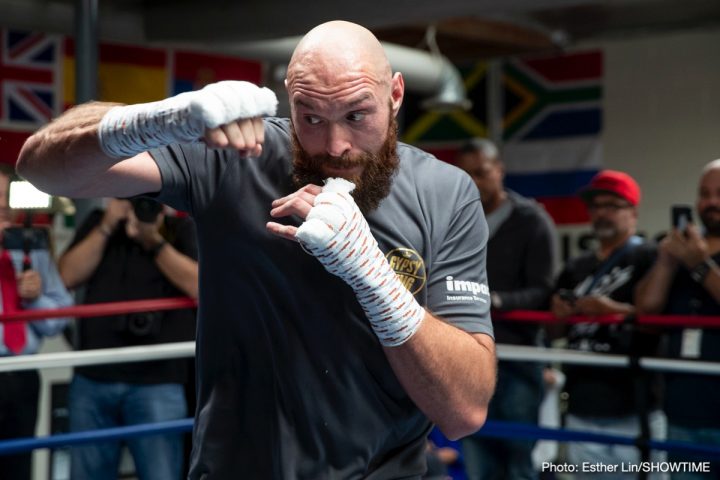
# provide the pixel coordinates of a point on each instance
(23, 196)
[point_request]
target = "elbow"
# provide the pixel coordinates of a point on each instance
(464, 425)
(24, 161)
(32, 167)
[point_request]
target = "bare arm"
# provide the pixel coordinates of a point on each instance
(79, 263)
(449, 374)
(95, 150)
(65, 158)
(651, 292)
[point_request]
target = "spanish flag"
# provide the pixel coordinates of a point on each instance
(126, 74)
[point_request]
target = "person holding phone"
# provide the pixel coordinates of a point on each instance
(36, 285)
(600, 282)
(685, 279)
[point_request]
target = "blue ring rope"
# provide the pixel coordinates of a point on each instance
(492, 428)
(91, 436)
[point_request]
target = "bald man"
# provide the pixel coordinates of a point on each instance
(332, 358)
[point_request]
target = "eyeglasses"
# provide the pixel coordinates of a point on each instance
(609, 206)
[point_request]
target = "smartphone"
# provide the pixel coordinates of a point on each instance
(681, 216)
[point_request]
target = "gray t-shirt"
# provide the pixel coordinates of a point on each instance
(292, 381)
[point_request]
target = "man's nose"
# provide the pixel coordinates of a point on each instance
(338, 141)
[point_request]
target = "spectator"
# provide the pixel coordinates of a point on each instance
(685, 280)
(131, 251)
(520, 260)
(38, 287)
(600, 282)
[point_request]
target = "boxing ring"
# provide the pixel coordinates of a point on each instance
(495, 429)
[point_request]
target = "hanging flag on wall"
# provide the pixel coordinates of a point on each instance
(441, 133)
(126, 74)
(552, 129)
(194, 70)
(29, 86)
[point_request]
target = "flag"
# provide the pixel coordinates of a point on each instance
(126, 74)
(552, 129)
(29, 85)
(441, 133)
(194, 70)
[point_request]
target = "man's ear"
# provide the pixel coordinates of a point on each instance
(397, 92)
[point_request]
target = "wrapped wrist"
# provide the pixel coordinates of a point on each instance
(129, 130)
(336, 233)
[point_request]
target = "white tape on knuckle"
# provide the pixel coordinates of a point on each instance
(231, 100)
(314, 233)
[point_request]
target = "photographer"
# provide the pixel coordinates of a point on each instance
(131, 251)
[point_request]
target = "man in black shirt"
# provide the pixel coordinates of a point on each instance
(600, 282)
(520, 262)
(685, 280)
(332, 361)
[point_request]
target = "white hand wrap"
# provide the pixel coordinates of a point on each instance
(129, 130)
(336, 233)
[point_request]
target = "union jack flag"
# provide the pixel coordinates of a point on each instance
(29, 78)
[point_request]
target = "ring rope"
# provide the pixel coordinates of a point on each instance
(156, 351)
(163, 351)
(101, 309)
(492, 428)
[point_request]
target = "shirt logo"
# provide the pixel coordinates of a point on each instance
(466, 290)
(409, 267)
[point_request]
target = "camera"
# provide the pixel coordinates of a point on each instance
(142, 324)
(146, 209)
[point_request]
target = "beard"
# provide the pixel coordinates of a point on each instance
(711, 222)
(374, 182)
(604, 230)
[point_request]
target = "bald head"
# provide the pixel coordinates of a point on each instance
(711, 166)
(338, 49)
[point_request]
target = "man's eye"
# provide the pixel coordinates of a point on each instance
(356, 116)
(312, 120)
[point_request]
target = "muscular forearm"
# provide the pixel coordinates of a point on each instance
(179, 269)
(95, 150)
(79, 263)
(449, 374)
(64, 157)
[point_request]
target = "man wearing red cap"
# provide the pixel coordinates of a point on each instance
(599, 282)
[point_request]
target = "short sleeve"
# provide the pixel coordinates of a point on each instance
(457, 284)
(191, 175)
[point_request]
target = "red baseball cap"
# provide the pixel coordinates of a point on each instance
(613, 182)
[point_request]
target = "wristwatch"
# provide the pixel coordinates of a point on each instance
(699, 272)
